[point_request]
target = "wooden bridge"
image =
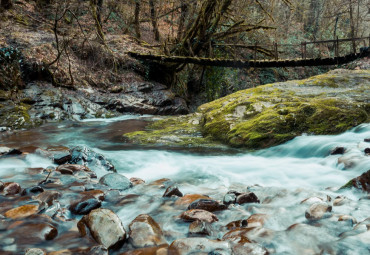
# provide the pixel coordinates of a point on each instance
(303, 60)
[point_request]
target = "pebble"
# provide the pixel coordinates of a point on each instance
(22, 211)
(85, 206)
(207, 204)
(32, 191)
(11, 188)
(172, 191)
(200, 228)
(199, 245)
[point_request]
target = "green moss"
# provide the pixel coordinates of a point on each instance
(16, 116)
(271, 114)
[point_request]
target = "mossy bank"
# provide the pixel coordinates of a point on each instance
(271, 114)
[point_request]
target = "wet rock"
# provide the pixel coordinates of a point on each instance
(198, 214)
(312, 200)
(35, 251)
(230, 197)
(60, 154)
(338, 151)
(172, 191)
(249, 248)
(136, 181)
(200, 228)
(32, 191)
(104, 226)
(189, 198)
(33, 233)
(145, 232)
(85, 206)
(11, 188)
(48, 197)
(367, 151)
(4, 150)
(347, 218)
(340, 200)
(257, 220)
(2, 185)
(115, 181)
(198, 245)
(97, 250)
(83, 155)
(22, 211)
(362, 182)
(317, 210)
(94, 193)
(159, 250)
(71, 169)
(247, 235)
(207, 204)
(367, 140)
(247, 198)
(237, 224)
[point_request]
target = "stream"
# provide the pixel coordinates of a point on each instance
(281, 177)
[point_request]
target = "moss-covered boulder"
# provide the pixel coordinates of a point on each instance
(361, 182)
(271, 114)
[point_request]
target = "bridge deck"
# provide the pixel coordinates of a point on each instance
(249, 63)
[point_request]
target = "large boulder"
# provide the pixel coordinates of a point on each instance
(271, 114)
(115, 181)
(361, 182)
(104, 226)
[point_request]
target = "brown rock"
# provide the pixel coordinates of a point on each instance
(22, 211)
(32, 233)
(207, 204)
(136, 181)
(257, 220)
(198, 245)
(71, 168)
(104, 226)
(338, 151)
(189, 198)
(200, 228)
(238, 235)
(2, 185)
(48, 197)
(94, 193)
(317, 210)
(347, 218)
(11, 188)
(247, 198)
(172, 191)
(249, 248)
(145, 232)
(237, 224)
(362, 182)
(198, 214)
(160, 182)
(159, 250)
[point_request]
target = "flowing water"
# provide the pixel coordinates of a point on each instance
(281, 177)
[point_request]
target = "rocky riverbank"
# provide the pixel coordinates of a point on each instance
(271, 114)
(80, 205)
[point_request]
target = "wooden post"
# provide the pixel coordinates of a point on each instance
(304, 50)
(337, 48)
(276, 51)
(353, 45)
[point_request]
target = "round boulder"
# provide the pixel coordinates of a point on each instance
(115, 181)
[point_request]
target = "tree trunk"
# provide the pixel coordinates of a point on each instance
(183, 15)
(99, 11)
(153, 17)
(352, 25)
(94, 12)
(137, 18)
(6, 4)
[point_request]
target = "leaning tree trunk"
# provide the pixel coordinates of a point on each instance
(6, 4)
(153, 17)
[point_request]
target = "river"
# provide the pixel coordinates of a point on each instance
(281, 177)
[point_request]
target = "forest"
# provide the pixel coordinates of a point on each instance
(184, 127)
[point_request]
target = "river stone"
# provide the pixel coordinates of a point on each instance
(2, 185)
(367, 151)
(338, 151)
(104, 226)
(48, 197)
(22, 211)
(11, 188)
(34, 233)
(207, 204)
(83, 155)
(198, 245)
(60, 154)
(200, 228)
(198, 214)
(98, 250)
(247, 198)
(250, 249)
(85, 206)
(145, 232)
(317, 210)
(35, 251)
(237, 224)
(172, 191)
(73, 169)
(136, 181)
(347, 218)
(257, 220)
(361, 182)
(189, 198)
(115, 181)
(159, 250)
(32, 191)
